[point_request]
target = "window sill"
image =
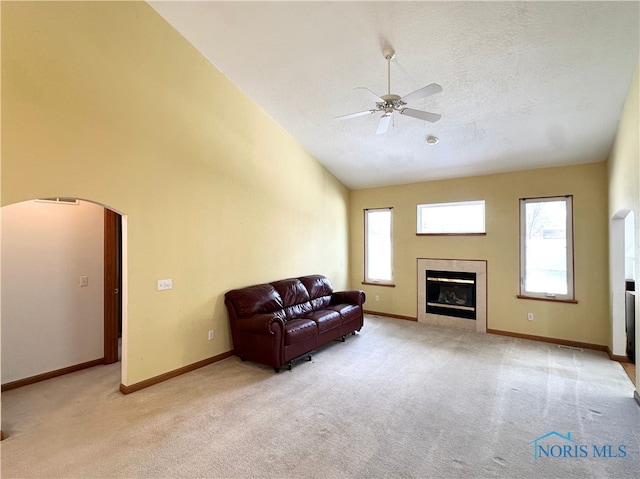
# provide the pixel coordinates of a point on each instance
(388, 285)
(553, 300)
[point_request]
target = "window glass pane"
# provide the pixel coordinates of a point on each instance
(462, 217)
(546, 247)
(378, 245)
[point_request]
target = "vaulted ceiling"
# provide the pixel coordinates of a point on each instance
(524, 85)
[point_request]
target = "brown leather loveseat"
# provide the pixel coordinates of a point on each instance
(277, 323)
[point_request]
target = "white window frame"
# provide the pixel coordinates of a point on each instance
(367, 277)
(570, 295)
(435, 227)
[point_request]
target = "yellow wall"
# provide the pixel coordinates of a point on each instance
(624, 179)
(583, 322)
(624, 161)
(106, 102)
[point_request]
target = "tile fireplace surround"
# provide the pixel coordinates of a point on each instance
(479, 267)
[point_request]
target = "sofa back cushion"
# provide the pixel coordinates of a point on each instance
(291, 298)
(295, 297)
(258, 299)
(320, 290)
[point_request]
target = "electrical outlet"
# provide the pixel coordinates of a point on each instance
(212, 334)
(164, 284)
(530, 316)
(377, 298)
(84, 281)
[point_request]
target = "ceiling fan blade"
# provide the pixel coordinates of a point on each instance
(354, 115)
(383, 126)
(372, 95)
(423, 92)
(422, 115)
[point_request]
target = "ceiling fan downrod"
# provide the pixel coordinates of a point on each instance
(389, 55)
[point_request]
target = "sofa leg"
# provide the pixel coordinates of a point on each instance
(344, 338)
(276, 370)
(353, 333)
(289, 365)
(309, 358)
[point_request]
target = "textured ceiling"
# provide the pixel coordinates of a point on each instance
(525, 85)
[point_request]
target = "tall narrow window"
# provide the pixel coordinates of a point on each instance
(546, 248)
(378, 246)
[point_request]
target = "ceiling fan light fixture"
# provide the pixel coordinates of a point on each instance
(431, 140)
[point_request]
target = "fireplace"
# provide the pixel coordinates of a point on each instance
(451, 293)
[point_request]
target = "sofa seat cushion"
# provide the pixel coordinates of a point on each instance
(349, 312)
(326, 319)
(297, 330)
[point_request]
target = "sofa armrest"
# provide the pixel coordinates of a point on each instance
(268, 324)
(356, 297)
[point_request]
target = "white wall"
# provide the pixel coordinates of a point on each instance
(49, 322)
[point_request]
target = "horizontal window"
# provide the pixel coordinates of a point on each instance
(463, 217)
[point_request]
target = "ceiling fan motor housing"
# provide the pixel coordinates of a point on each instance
(391, 102)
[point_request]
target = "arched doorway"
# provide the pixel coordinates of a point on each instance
(64, 288)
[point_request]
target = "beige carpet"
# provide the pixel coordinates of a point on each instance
(400, 399)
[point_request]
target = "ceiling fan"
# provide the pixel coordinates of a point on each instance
(389, 103)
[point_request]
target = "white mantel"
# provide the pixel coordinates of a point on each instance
(479, 267)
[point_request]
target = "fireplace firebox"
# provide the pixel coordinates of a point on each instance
(451, 293)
